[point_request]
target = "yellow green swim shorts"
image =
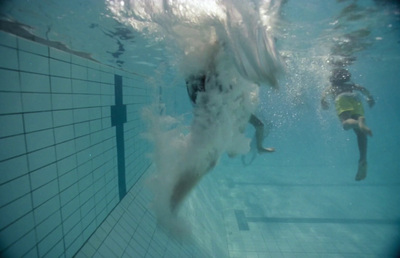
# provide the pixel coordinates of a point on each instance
(349, 103)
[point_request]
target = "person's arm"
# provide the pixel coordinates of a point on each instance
(366, 93)
(325, 93)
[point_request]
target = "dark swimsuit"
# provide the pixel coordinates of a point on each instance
(195, 84)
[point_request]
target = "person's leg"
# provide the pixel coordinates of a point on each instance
(187, 181)
(259, 127)
(354, 122)
(357, 123)
(185, 184)
(347, 121)
(351, 114)
(362, 147)
(362, 144)
(363, 127)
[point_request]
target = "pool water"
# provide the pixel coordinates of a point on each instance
(93, 106)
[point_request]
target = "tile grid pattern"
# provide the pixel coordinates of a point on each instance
(131, 231)
(58, 153)
(270, 212)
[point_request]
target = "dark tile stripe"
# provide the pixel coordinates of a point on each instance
(241, 220)
(118, 118)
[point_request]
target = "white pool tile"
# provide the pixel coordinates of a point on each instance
(45, 193)
(10, 102)
(43, 176)
(65, 149)
(29, 62)
(65, 165)
(59, 159)
(13, 168)
(11, 125)
(94, 75)
(33, 47)
(63, 133)
(60, 55)
(7, 39)
(68, 187)
(31, 82)
(15, 210)
(63, 117)
(37, 121)
(33, 102)
(50, 224)
(60, 85)
(60, 68)
(82, 128)
(25, 246)
(61, 101)
(12, 146)
(41, 158)
(15, 231)
(9, 58)
(73, 232)
(10, 80)
(39, 140)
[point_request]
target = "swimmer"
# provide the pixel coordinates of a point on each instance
(185, 184)
(190, 177)
(350, 111)
(196, 84)
(259, 126)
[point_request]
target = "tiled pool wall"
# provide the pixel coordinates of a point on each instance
(68, 187)
(58, 155)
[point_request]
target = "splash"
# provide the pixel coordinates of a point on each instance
(231, 44)
(246, 28)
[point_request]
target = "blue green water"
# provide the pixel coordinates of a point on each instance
(311, 174)
(302, 200)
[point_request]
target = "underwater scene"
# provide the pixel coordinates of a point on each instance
(214, 128)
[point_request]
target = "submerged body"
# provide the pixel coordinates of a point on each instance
(230, 44)
(350, 111)
(199, 88)
(197, 83)
(223, 106)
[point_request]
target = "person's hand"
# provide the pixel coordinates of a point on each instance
(324, 104)
(371, 102)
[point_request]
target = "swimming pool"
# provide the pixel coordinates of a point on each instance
(92, 109)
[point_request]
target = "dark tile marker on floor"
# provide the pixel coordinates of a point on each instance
(118, 118)
(241, 220)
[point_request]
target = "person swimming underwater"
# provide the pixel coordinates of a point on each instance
(350, 111)
(197, 83)
(223, 105)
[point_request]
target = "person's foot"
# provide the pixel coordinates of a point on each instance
(363, 126)
(362, 170)
(263, 150)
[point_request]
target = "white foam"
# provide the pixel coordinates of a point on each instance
(231, 42)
